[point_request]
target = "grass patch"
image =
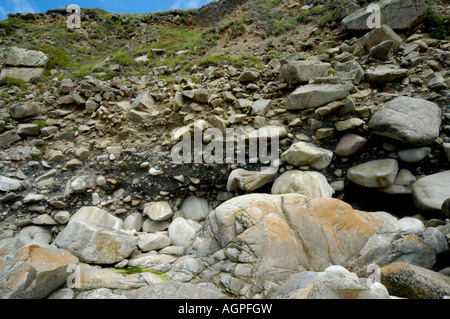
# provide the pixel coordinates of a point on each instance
(438, 26)
(10, 82)
(139, 270)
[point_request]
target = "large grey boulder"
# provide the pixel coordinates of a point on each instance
(23, 64)
(19, 57)
(310, 184)
(95, 243)
(315, 95)
(25, 74)
(376, 37)
(385, 73)
(34, 272)
(398, 14)
(408, 120)
(295, 72)
(21, 110)
(430, 192)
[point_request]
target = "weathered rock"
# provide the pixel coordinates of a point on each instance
(260, 107)
(97, 215)
(82, 183)
(385, 73)
(266, 133)
(409, 120)
(295, 72)
(376, 37)
(411, 249)
(37, 235)
(280, 235)
(67, 86)
(9, 138)
(24, 74)
(374, 174)
(310, 184)
(382, 51)
(398, 14)
(181, 231)
(351, 70)
(402, 183)
(445, 209)
(158, 211)
(143, 102)
(95, 243)
(9, 184)
(349, 124)
(414, 155)
(28, 129)
(414, 282)
(149, 242)
(303, 153)
(350, 144)
(18, 57)
(195, 208)
(429, 193)
(133, 221)
(314, 95)
(94, 278)
(178, 290)
(21, 110)
(334, 283)
(247, 180)
(249, 75)
(201, 95)
(34, 272)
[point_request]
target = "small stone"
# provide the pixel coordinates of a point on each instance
(349, 124)
(350, 144)
(101, 181)
(158, 211)
(62, 217)
(33, 198)
(414, 155)
(374, 174)
(28, 129)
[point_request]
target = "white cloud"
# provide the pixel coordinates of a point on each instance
(22, 6)
(188, 4)
(3, 12)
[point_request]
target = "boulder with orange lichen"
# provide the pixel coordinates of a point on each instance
(264, 239)
(33, 272)
(414, 282)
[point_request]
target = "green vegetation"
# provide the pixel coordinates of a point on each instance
(437, 25)
(139, 270)
(10, 82)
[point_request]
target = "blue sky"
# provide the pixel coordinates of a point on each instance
(123, 6)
